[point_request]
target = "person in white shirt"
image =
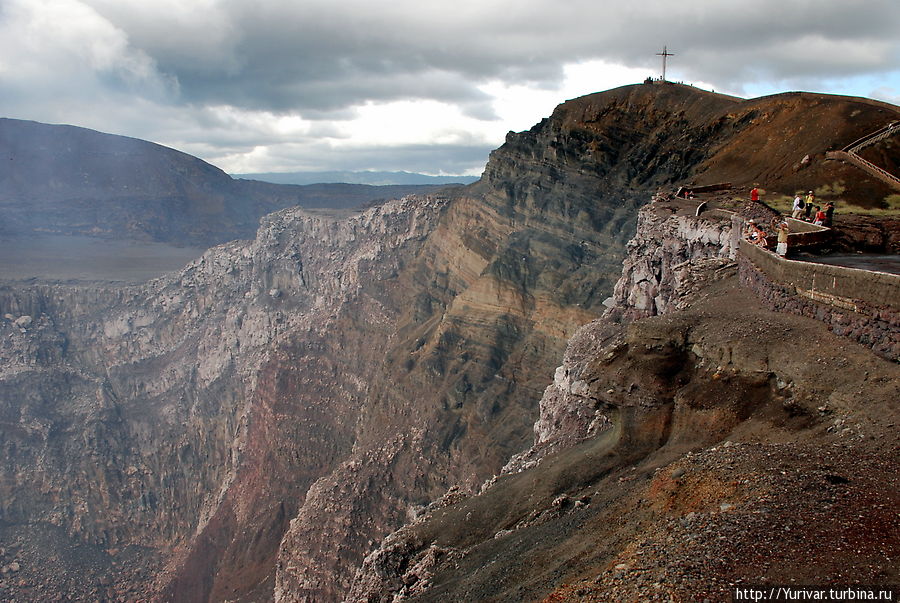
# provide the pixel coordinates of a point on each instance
(798, 207)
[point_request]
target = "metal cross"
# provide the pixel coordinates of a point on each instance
(664, 54)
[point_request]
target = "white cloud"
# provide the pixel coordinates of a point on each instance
(886, 94)
(54, 50)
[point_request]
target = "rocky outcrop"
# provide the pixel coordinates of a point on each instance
(673, 253)
(668, 239)
(671, 256)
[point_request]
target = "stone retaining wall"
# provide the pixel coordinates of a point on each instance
(861, 305)
(804, 234)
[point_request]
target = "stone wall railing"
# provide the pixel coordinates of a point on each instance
(804, 234)
(859, 304)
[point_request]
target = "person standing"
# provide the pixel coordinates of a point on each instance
(783, 231)
(797, 209)
(810, 198)
(829, 213)
(754, 194)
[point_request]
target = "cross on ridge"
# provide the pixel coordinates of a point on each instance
(664, 54)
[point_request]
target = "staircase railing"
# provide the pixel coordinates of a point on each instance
(849, 154)
(872, 138)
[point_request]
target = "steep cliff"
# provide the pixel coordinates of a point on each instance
(676, 456)
(253, 426)
(669, 237)
(151, 414)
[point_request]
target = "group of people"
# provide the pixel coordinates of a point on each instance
(805, 209)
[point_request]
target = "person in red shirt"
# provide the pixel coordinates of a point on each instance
(820, 216)
(754, 194)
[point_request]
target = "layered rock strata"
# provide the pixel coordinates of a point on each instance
(158, 415)
(668, 238)
(672, 254)
(659, 432)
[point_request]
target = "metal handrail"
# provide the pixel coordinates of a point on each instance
(850, 153)
(872, 138)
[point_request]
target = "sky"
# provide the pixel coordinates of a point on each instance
(407, 85)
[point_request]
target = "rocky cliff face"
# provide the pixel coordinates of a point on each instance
(253, 426)
(665, 448)
(279, 406)
(525, 257)
(673, 254)
(147, 408)
(669, 239)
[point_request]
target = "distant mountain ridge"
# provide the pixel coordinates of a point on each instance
(352, 177)
(65, 179)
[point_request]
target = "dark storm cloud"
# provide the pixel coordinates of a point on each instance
(325, 56)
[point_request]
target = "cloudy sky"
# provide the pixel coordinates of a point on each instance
(416, 85)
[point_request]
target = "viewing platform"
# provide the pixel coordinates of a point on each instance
(855, 295)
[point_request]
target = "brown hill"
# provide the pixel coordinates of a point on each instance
(670, 133)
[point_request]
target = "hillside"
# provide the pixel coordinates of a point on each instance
(70, 180)
(760, 141)
(253, 427)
